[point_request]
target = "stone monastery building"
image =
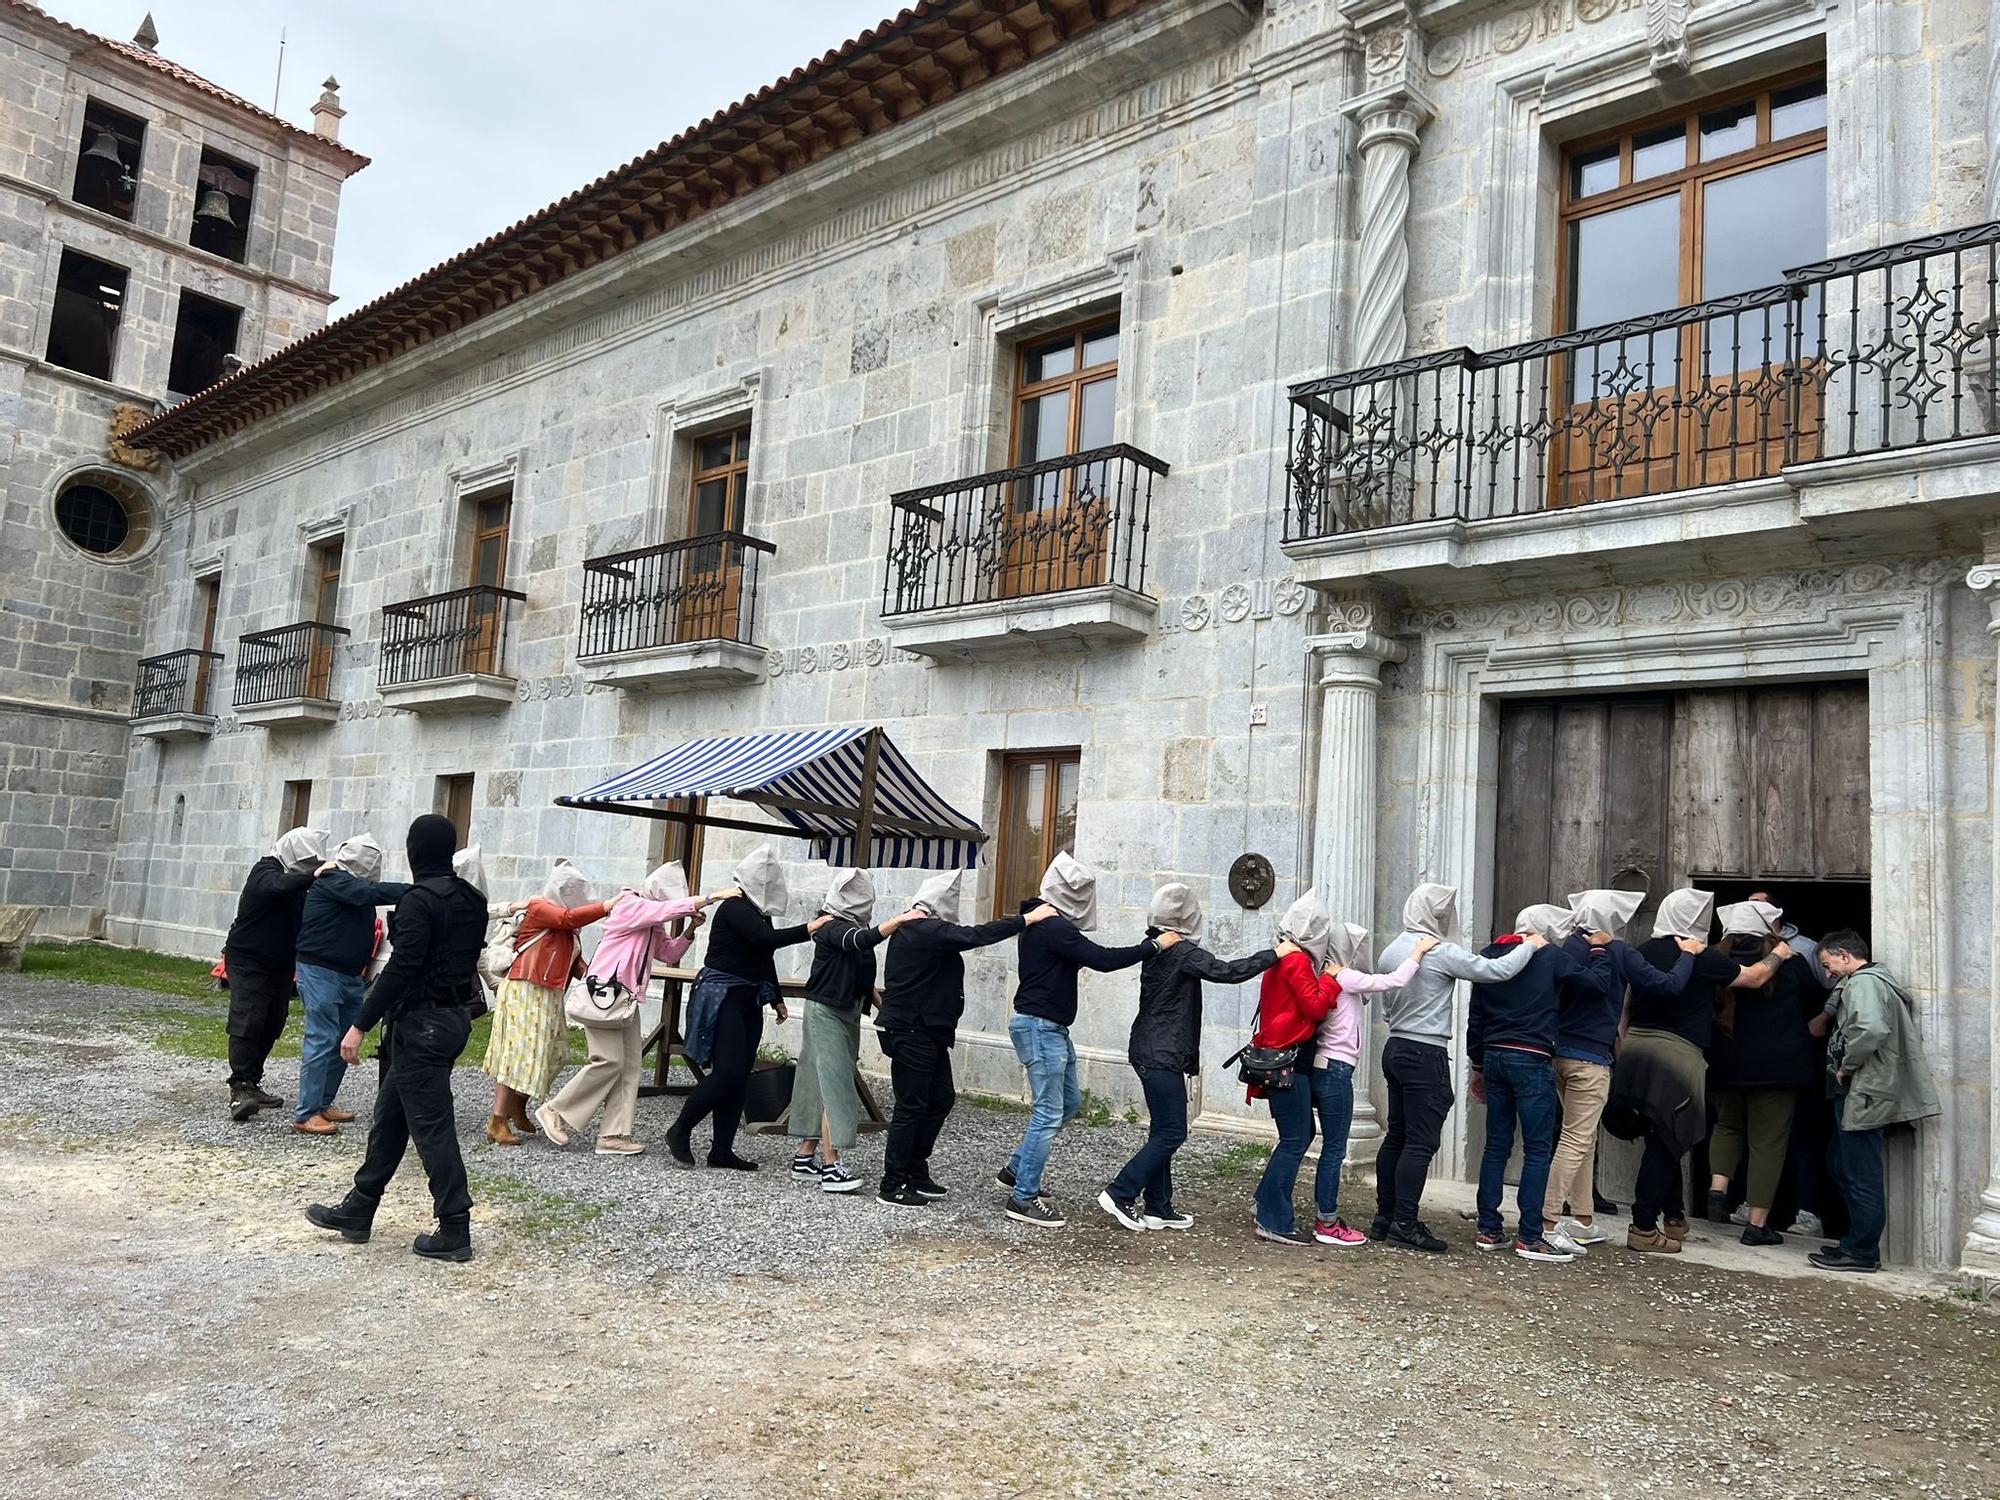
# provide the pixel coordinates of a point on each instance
(1337, 442)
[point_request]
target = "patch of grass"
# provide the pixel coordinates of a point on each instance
(999, 1103)
(135, 968)
(1244, 1159)
(534, 1210)
(1095, 1110)
(199, 1031)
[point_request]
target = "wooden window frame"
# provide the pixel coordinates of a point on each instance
(336, 551)
(445, 795)
(1054, 760)
(1080, 334)
(1685, 183)
(476, 503)
(290, 814)
(736, 473)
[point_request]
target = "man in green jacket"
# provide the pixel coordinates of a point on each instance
(1878, 1077)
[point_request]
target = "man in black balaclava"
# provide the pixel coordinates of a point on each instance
(423, 997)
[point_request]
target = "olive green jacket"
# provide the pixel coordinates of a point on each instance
(1875, 1043)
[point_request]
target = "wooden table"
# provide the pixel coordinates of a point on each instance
(666, 1041)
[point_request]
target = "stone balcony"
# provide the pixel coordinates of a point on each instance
(447, 653)
(171, 696)
(675, 616)
(285, 677)
(1847, 408)
(1050, 554)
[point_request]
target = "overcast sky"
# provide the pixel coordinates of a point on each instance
(479, 112)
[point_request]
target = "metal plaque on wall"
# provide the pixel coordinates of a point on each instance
(1251, 881)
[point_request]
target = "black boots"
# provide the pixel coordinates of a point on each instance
(353, 1216)
(451, 1240)
(243, 1103)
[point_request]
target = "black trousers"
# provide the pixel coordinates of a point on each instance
(920, 1073)
(414, 1104)
(739, 1027)
(259, 1001)
(1660, 1191)
(1418, 1076)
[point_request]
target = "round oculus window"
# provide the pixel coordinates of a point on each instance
(96, 520)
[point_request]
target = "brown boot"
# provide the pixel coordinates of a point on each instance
(1651, 1242)
(1674, 1229)
(338, 1116)
(500, 1133)
(315, 1125)
(517, 1115)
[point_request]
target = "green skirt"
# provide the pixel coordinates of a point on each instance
(824, 1083)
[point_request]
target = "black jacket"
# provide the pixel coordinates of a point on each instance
(923, 973)
(438, 928)
(338, 929)
(1766, 1045)
(843, 967)
(741, 941)
(1051, 954)
(1166, 1034)
(265, 934)
(1525, 1011)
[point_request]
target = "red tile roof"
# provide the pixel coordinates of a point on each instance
(911, 63)
(353, 159)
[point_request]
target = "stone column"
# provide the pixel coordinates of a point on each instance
(1345, 801)
(1389, 118)
(1993, 109)
(1982, 1237)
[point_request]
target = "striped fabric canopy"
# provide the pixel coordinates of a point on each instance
(820, 766)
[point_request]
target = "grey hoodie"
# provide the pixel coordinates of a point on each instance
(1422, 1010)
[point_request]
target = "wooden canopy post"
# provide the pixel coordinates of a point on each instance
(864, 811)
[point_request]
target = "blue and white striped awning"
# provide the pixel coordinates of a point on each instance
(812, 779)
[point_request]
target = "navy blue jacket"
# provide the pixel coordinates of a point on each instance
(1525, 1011)
(1592, 1002)
(1051, 952)
(337, 931)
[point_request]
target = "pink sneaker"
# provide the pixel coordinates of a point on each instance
(1337, 1233)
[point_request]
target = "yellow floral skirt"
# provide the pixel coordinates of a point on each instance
(528, 1045)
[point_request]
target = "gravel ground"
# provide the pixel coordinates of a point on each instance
(176, 1328)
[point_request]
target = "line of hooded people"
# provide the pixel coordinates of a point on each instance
(1555, 1045)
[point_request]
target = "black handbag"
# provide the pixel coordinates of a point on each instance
(1267, 1068)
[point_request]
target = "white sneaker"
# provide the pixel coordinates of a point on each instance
(1174, 1220)
(1741, 1215)
(1807, 1223)
(1560, 1241)
(1585, 1234)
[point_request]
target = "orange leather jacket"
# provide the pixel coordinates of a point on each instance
(554, 960)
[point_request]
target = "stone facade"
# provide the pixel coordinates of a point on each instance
(1278, 192)
(71, 624)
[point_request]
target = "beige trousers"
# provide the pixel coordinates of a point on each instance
(1584, 1088)
(610, 1080)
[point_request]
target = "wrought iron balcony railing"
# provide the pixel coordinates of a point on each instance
(446, 635)
(293, 661)
(176, 683)
(1049, 527)
(703, 588)
(1891, 349)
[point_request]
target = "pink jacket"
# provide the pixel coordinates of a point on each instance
(635, 937)
(1339, 1036)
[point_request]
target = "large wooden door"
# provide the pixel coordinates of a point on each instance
(1058, 528)
(326, 607)
(492, 523)
(1649, 793)
(711, 594)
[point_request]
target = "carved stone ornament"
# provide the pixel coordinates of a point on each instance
(1251, 881)
(126, 416)
(1666, 35)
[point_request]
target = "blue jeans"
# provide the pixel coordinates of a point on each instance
(1333, 1099)
(1292, 1113)
(1856, 1160)
(332, 1001)
(1150, 1172)
(1045, 1051)
(1519, 1084)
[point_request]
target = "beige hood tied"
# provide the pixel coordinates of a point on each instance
(1307, 924)
(469, 866)
(1605, 911)
(1750, 919)
(1070, 886)
(939, 895)
(1350, 945)
(1175, 909)
(763, 881)
(851, 895)
(1432, 910)
(668, 883)
(301, 848)
(361, 857)
(1684, 913)
(567, 885)
(1546, 920)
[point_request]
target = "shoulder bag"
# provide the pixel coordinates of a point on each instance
(1267, 1069)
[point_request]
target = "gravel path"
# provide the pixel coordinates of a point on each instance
(174, 1327)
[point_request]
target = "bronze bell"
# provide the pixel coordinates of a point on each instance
(214, 206)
